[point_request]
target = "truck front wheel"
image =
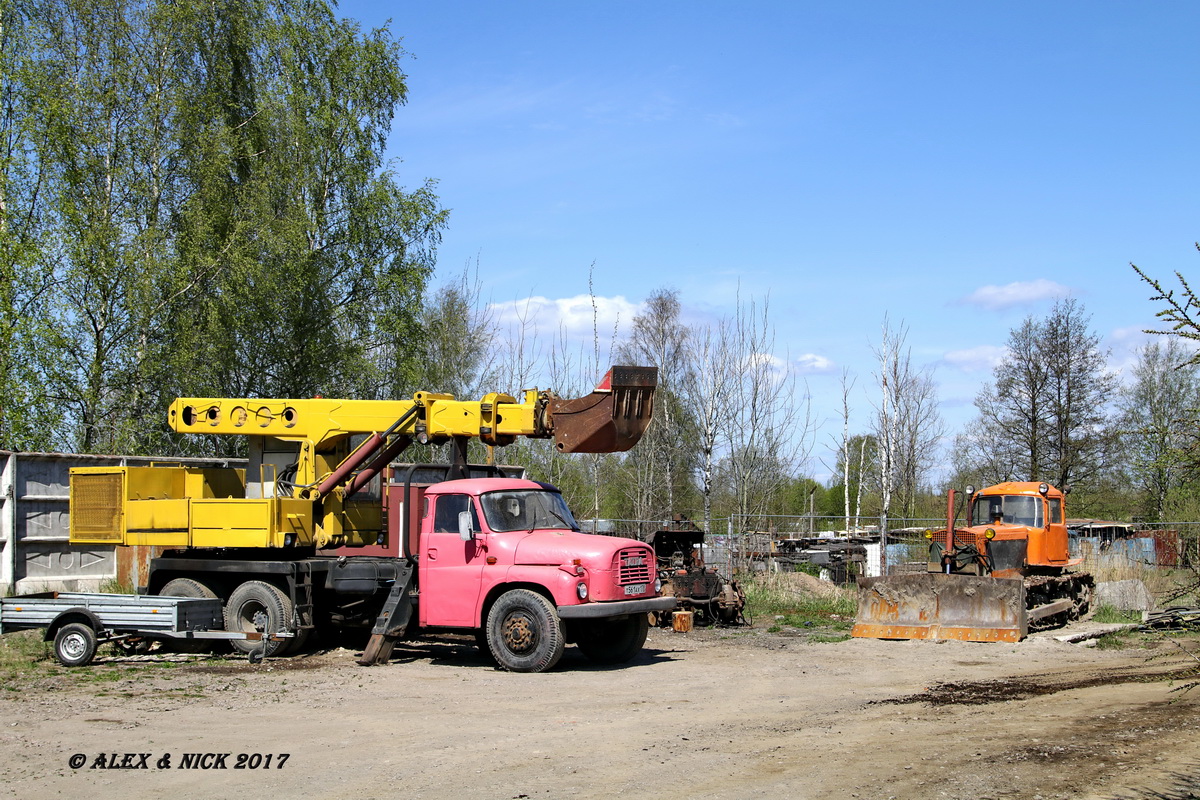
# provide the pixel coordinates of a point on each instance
(613, 641)
(524, 632)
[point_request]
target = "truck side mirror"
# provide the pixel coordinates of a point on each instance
(464, 526)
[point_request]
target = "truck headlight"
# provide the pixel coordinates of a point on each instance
(581, 590)
(658, 585)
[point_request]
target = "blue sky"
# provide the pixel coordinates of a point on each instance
(955, 166)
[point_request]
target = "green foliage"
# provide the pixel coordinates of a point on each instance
(195, 203)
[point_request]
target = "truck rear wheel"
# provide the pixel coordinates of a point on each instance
(613, 641)
(524, 632)
(187, 587)
(257, 606)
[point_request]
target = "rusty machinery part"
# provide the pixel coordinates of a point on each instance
(731, 605)
(609, 420)
(710, 597)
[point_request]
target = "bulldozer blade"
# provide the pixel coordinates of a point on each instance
(611, 419)
(937, 606)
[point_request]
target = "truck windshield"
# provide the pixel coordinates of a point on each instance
(1013, 509)
(525, 510)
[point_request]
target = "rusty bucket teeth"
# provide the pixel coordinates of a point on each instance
(611, 419)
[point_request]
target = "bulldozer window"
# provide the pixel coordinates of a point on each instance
(1012, 509)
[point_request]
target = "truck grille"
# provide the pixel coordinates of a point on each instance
(961, 539)
(635, 565)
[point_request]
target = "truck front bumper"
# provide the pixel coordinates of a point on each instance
(616, 608)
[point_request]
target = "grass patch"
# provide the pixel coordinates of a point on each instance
(1121, 640)
(26, 659)
(1107, 614)
(799, 601)
(24, 655)
(114, 586)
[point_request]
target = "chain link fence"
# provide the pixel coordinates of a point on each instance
(824, 546)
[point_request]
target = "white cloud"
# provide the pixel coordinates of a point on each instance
(813, 364)
(975, 359)
(1018, 293)
(576, 316)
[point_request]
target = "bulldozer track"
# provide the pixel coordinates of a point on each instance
(1077, 587)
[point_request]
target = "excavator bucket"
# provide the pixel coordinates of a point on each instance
(938, 606)
(609, 420)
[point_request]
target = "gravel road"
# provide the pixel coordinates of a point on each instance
(708, 714)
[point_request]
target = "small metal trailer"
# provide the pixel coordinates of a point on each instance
(78, 622)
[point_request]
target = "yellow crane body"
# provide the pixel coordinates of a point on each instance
(315, 464)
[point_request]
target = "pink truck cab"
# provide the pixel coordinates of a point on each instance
(499, 557)
(504, 557)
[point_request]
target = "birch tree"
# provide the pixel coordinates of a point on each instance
(662, 463)
(770, 422)
(844, 446)
(890, 377)
(847, 385)
(908, 425)
(27, 421)
(708, 394)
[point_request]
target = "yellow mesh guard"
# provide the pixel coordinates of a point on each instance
(96, 507)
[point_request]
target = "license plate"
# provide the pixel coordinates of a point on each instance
(635, 588)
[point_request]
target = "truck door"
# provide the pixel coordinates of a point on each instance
(450, 570)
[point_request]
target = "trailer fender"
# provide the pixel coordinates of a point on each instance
(77, 614)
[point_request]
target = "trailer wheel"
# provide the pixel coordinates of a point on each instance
(75, 644)
(187, 587)
(524, 632)
(613, 641)
(262, 607)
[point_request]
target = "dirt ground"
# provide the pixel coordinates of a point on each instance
(708, 714)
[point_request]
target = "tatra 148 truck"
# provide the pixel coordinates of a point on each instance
(321, 528)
